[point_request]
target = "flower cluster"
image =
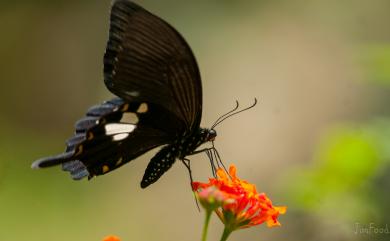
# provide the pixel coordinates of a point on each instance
(236, 202)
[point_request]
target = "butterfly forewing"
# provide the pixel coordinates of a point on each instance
(147, 60)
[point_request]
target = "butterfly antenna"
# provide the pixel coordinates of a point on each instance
(235, 113)
(222, 116)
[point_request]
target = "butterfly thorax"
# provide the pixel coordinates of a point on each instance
(188, 143)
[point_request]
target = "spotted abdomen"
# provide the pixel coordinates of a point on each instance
(159, 164)
(165, 158)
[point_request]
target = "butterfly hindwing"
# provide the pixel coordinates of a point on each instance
(111, 135)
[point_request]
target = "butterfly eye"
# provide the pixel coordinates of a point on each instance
(211, 135)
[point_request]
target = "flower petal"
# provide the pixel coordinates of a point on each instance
(111, 238)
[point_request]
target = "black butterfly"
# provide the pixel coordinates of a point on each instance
(149, 65)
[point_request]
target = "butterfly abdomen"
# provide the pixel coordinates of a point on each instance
(159, 164)
(164, 159)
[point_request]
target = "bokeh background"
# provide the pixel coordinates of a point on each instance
(318, 141)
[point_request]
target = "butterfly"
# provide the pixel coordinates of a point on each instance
(151, 69)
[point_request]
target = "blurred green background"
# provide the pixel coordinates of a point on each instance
(318, 142)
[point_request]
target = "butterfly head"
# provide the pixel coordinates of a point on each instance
(211, 134)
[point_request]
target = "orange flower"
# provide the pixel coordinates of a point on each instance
(238, 203)
(111, 238)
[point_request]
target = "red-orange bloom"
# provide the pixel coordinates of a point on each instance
(240, 204)
(111, 238)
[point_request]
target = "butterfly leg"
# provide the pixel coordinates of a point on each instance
(214, 158)
(219, 159)
(210, 155)
(199, 151)
(187, 164)
(213, 154)
(212, 163)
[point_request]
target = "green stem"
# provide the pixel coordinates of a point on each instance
(206, 225)
(226, 233)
